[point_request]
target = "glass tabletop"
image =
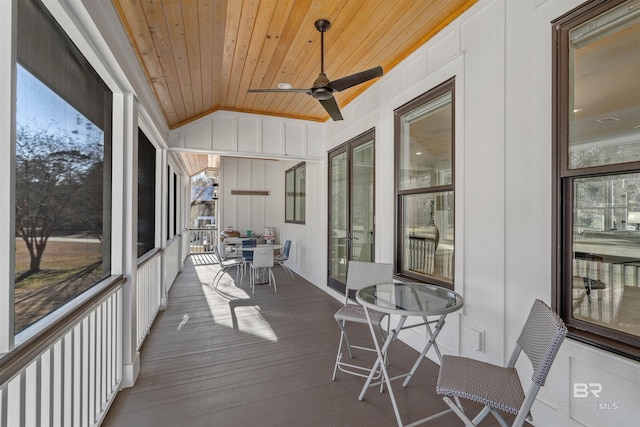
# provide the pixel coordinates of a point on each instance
(261, 246)
(410, 299)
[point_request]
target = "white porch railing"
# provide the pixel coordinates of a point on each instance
(202, 239)
(172, 260)
(148, 294)
(69, 373)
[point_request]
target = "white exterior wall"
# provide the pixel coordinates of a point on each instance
(250, 212)
(500, 53)
(251, 135)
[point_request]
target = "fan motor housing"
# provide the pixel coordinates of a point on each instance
(322, 93)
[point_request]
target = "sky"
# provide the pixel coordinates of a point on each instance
(49, 111)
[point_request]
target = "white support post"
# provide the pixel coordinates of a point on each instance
(7, 163)
(162, 184)
(125, 229)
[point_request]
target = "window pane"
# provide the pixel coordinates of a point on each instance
(300, 190)
(146, 194)
(289, 196)
(63, 169)
(175, 204)
(295, 194)
(425, 145)
(428, 234)
(606, 248)
(169, 236)
(60, 223)
(604, 89)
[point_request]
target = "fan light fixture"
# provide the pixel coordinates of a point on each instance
(284, 85)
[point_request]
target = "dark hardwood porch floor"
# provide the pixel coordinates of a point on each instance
(226, 357)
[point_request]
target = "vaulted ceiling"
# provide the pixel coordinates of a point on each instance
(201, 56)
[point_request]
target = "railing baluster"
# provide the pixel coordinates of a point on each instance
(58, 364)
(3, 405)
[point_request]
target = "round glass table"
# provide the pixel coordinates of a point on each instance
(405, 300)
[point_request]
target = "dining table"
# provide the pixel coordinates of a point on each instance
(265, 245)
(406, 300)
(262, 280)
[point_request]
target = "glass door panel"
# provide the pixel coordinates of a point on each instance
(362, 202)
(339, 205)
(351, 207)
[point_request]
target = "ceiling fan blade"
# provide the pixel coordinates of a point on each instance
(332, 108)
(307, 91)
(355, 79)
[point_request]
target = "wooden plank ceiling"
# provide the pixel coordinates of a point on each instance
(201, 56)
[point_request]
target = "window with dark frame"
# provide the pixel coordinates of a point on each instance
(424, 153)
(169, 235)
(597, 174)
(63, 169)
(295, 194)
(175, 204)
(146, 194)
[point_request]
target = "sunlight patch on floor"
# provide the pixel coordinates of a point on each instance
(232, 307)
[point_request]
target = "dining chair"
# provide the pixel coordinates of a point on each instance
(262, 259)
(359, 275)
(224, 266)
(247, 256)
(280, 259)
(499, 388)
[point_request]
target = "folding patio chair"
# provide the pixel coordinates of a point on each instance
(499, 388)
(359, 275)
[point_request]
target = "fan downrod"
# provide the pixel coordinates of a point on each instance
(322, 25)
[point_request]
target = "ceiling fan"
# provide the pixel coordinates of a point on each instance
(323, 88)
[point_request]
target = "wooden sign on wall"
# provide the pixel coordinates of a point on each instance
(249, 193)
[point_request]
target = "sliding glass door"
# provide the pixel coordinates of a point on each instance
(351, 206)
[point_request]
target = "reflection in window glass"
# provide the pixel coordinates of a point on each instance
(596, 127)
(338, 215)
(295, 194)
(606, 249)
(425, 153)
(62, 169)
(425, 187)
(59, 202)
(300, 199)
(289, 182)
(604, 89)
(429, 248)
(362, 201)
